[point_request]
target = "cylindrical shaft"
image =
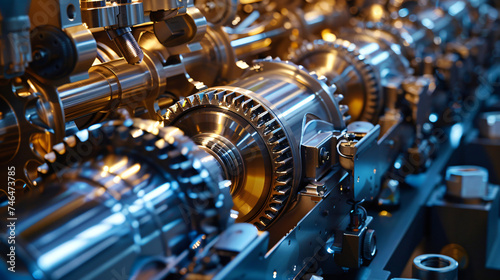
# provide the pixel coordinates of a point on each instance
(113, 84)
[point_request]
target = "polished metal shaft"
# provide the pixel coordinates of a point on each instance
(114, 84)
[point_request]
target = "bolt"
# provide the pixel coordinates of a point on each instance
(126, 43)
(39, 54)
(324, 155)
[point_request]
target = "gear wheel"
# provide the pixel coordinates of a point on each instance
(315, 80)
(400, 35)
(33, 122)
(199, 179)
(127, 196)
(269, 128)
(255, 136)
(348, 64)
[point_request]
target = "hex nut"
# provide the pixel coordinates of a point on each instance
(489, 125)
(467, 181)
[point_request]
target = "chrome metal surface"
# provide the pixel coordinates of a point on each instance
(32, 112)
(255, 135)
(342, 64)
(100, 13)
(123, 210)
(125, 198)
(115, 84)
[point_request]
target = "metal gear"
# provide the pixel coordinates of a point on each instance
(33, 122)
(269, 128)
(251, 136)
(166, 148)
(355, 79)
(401, 35)
(121, 196)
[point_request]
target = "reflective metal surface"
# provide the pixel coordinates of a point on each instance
(255, 135)
(119, 208)
(328, 164)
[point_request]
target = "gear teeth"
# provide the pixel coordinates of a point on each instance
(274, 209)
(59, 148)
(260, 64)
(238, 101)
(178, 108)
(343, 109)
(275, 132)
(253, 111)
(283, 151)
(270, 130)
(247, 105)
(284, 162)
(187, 103)
(277, 200)
(314, 75)
(270, 215)
(228, 98)
(284, 182)
(282, 191)
(283, 173)
(268, 126)
(279, 142)
(338, 97)
(43, 169)
(206, 99)
(70, 141)
(348, 51)
(261, 119)
(167, 148)
(218, 98)
(196, 100)
(50, 157)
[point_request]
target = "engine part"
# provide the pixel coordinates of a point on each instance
(114, 84)
(189, 27)
(414, 75)
(349, 71)
(77, 45)
(116, 17)
(255, 137)
(357, 246)
(435, 266)
(32, 121)
(53, 52)
(132, 197)
(119, 13)
(15, 44)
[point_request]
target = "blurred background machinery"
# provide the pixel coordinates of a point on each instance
(225, 139)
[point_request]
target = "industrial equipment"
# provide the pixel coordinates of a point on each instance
(263, 139)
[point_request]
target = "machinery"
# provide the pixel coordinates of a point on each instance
(264, 139)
